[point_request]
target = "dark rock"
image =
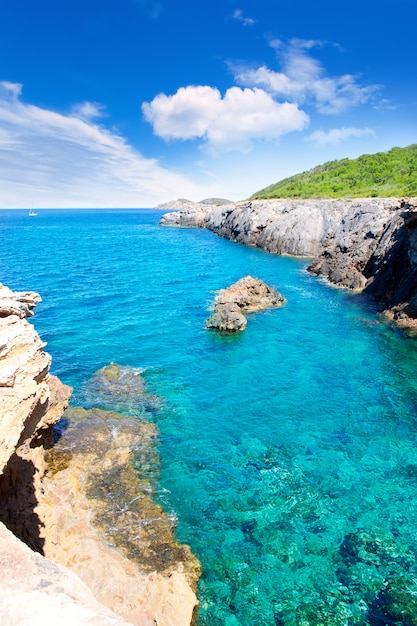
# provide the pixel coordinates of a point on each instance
(396, 604)
(227, 317)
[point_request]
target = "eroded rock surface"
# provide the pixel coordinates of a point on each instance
(247, 295)
(34, 591)
(348, 249)
(102, 523)
(31, 402)
(375, 253)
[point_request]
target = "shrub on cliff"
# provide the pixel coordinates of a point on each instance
(384, 175)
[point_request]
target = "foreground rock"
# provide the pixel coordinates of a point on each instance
(102, 523)
(363, 244)
(34, 591)
(80, 504)
(247, 295)
(31, 402)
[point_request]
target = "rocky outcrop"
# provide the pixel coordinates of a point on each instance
(348, 249)
(77, 503)
(31, 402)
(187, 217)
(279, 226)
(183, 204)
(366, 245)
(247, 295)
(375, 253)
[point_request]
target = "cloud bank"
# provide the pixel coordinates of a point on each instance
(60, 160)
(264, 105)
(303, 79)
(232, 122)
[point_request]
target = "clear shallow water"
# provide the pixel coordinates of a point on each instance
(289, 453)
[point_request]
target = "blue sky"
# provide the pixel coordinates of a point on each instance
(129, 103)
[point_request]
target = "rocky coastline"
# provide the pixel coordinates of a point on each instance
(365, 245)
(81, 539)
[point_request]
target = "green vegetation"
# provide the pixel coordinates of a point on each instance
(384, 174)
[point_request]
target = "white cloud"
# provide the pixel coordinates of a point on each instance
(233, 122)
(303, 79)
(336, 136)
(246, 21)
(65, 161)
(88, 110)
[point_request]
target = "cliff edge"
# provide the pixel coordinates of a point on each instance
(59, 562)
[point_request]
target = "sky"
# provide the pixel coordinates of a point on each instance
(132, 103)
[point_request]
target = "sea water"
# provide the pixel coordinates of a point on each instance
(288, 452)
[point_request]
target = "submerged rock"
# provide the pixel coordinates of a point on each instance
(119, 387)
(247, 295)
(100, 515)
(395, 604)
(85, 503)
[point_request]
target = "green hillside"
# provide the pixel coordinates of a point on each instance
(384, 174)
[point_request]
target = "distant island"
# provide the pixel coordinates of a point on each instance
(383, 175)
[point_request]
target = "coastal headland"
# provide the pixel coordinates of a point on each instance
(365, 245)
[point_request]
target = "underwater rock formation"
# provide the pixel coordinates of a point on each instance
(247, 295)
(102, 523)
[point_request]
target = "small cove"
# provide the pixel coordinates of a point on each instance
(288, 453)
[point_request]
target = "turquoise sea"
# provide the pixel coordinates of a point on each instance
(288, 453)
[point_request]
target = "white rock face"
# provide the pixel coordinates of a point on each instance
(279, 226)
(24, 376)
(34, 591)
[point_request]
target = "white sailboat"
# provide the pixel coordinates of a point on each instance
(32, 213)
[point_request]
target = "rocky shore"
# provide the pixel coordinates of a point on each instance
(365, 245)
(81, 539)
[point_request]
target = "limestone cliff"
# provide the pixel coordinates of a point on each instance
(57, 500)
(366, 245)
(31, 402)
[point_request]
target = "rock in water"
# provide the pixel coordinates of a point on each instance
(227, 317)
(99, 515)
(247, 295)
(119, 388)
